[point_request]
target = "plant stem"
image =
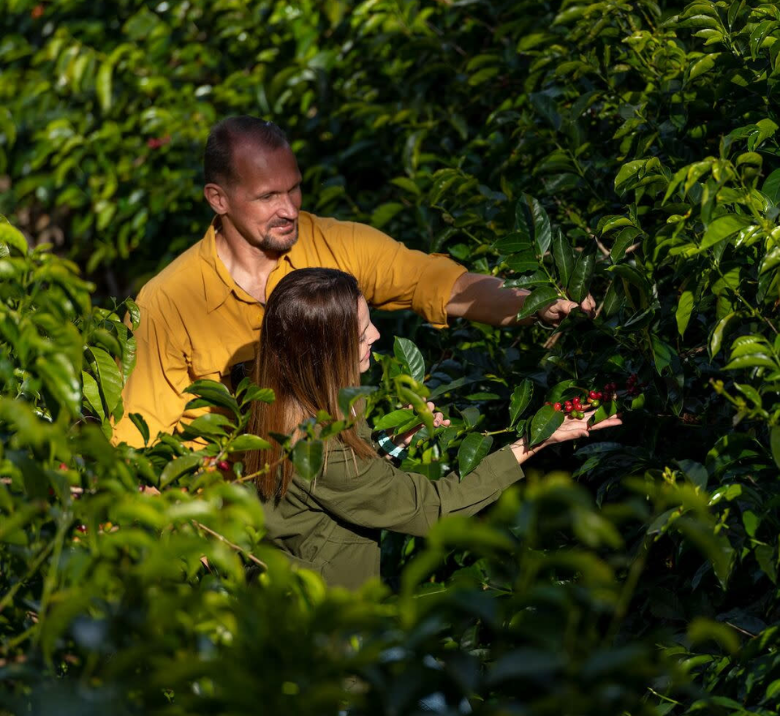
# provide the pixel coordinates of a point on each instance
(230, 544)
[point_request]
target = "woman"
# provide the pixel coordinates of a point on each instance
(315, 339)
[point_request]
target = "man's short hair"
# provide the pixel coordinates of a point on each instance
(218, 157)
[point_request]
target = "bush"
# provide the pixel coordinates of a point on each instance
(623, 148)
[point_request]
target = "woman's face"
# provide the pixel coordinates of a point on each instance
(368, 334)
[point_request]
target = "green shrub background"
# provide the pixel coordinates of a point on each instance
(629, 149)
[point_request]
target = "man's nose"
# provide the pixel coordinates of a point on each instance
(288, 209)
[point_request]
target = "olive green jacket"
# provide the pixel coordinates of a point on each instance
(332, 525)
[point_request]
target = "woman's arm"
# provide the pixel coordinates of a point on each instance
(375, 494)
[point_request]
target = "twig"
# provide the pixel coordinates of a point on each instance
(746, 633)
(230, 544)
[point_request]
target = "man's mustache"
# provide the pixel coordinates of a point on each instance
(280, 223)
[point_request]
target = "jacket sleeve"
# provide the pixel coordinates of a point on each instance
(156, 386)
(375, 494)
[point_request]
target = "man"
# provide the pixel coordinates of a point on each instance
(201, 315)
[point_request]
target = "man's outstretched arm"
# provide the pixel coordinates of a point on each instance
(483, 298)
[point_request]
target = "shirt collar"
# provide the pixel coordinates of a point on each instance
(217, 281)
(218, 284)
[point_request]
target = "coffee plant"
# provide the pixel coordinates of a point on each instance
(626, 149)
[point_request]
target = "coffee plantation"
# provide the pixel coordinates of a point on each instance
(626, 149)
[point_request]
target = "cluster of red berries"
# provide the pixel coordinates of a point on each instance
(155, 143)
(632, 387)
(575, 408)
(610, 391)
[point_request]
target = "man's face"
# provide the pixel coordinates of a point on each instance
(264, 202)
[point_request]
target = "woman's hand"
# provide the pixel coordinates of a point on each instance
(574, 428)
(405, 439)
(571, 429)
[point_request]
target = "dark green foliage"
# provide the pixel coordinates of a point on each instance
(626, 149)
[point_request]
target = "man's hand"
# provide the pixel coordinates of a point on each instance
(483, 298)
(556, 312)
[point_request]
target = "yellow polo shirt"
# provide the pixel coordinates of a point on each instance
(197, 322)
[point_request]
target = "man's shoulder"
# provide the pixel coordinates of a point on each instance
(331, 230)
(179, 280)
(324, 226)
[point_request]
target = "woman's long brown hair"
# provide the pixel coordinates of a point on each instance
(309, 350)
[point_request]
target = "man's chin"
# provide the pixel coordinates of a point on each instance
(281, 243)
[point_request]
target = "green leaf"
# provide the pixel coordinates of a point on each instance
(139, 422)
(613, 300)
(627, 174)
(394, 419)
(532, 222)
(92, 395)
(248, 442)
(663, 353)
(715, 547)
(684, 310)
(758, 35)
(536, 300)
(770, 262)
(564, 257)
(539, 278)
(514, 243)
(774, 443)
(604, 411)
(385, 213)
(521, 397)
(722, 228)
(13, 238)
(103, 85)
(579, 285)
(61, 380)
(420, 406)
(110, 378)
(702, 630)
(178, 467)
(716, 337)
(348, 397)
(449, 387)
(213, 425)
(307, 458)
(211, 394)
(772, 186)
(410, 357)
(546, 421)
(695, 472)
(622, 242)
(556, 393)
(523, 262)
(471, 452)
(702, 65)
(256, 393)
(135, 313)
(754, 360)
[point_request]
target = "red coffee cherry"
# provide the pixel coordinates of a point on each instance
(82, 529)
(224, 465)
(557, 407)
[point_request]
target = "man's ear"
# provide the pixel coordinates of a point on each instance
(216, 197)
